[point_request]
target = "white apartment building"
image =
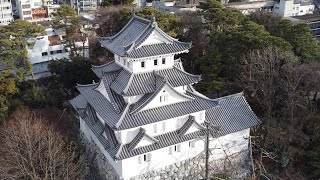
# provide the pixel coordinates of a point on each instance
(287, 8)
(50, 47)
(5, 12)
(85, 6)
(144, 115)
(284, 8)
(36, 10)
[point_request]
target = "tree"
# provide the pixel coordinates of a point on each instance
(32, 148)
(193, 30)
(65, 18)
(267, 19)
(14, 62)
(69, 73)
(298, 35)
(232, 35)
(116, 2)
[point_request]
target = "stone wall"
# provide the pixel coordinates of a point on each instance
(236, 166)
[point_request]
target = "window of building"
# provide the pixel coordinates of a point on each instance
(163, 60)
(128, 64)
(142, 64)
(163, 126)
(192, 143)
(26, 12)
(144, 158)
(155, 62)
(44, 54)
(155, 128)
(51, 52)
(25, 6)
(59, 51)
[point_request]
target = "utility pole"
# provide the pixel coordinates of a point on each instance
(207, 151)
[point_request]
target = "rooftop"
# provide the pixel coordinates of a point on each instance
(131, 40)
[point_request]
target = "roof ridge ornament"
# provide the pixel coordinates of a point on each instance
(153, 21)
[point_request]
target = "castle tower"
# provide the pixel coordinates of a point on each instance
(144, 114)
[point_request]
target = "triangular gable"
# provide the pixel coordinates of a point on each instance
(152, 100)
(141, 139)
(154, 37)
(191, 125)
(102, 89)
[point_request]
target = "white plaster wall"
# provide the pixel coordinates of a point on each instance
(92, 137)
(135, 64)
(229, 144)
(172, 97)
(160, 158)
(126, 136)
(154, 38)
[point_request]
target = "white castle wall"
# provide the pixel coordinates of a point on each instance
(161, 158)
(162, 127)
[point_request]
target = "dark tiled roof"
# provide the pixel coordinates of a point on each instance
(166, 112)
(128, 41)
(100, 104)
(139, 137)
(129, 84)
(110, 67)
(233, 114)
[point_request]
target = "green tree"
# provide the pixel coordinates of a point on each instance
(14, 62)
(298, 35)
(65, 18)
(69, 73)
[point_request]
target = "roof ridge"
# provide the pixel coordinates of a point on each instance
(204, 98)
(230, 96)
(102, 65)
(125, 90)
(124, 112)
(86, 85)
(185, 72)
(148, 100)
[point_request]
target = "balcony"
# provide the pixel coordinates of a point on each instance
(88, 8)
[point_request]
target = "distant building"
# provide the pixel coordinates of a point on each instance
(284, 8)
(287, 8)
(170, 6)
(173, 6)
(36, 10)
(5, 12)
(144, 118)
(85, 6)
(50, 47)
(313, 20)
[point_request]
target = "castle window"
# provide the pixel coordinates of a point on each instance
(155, 62)
(44, 54)
(163, 60)
(192, 143)
(142, 64)
(145, 157)
(155, 128)
(163, 126)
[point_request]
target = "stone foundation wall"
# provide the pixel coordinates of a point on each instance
(236, 166)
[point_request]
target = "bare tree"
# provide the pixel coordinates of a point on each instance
(31, 148)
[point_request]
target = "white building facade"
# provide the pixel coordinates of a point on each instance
(144, 114)
(36, 10)
(287, 8)
(51, 47)
(284, 8)
(5, 12)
